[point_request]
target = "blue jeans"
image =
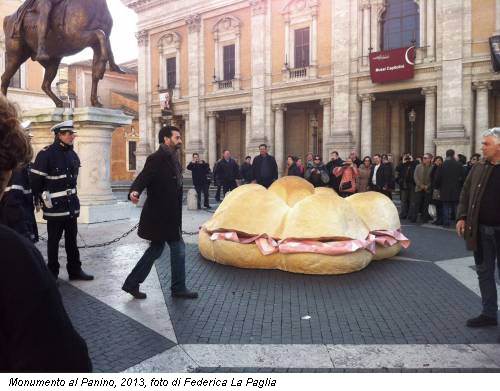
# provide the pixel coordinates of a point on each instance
(488, 251)
(177, 265)
(449, 213)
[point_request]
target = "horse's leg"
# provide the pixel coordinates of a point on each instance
(13, 61)
(112, 64)
(98, 69)
(51, 68)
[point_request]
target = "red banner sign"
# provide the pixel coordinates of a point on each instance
(392, 65)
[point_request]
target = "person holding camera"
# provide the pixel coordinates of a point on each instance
(53, 178)
(405, 171)
(348, 173)
(317, 173)
(201, 173)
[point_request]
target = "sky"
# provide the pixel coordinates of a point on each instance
(123, 39)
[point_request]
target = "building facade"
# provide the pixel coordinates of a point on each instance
(295, 74)
(26, 85)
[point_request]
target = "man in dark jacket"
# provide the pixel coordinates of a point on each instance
(449, 182)
(201, 171)
(479, 223)
(317, 174)
(264, 168)
(246, 170)
(36, 334)
(335, 161)
(217, 182)
(381, 178)
(54, 181)
(161, 219)
(406, 183)
(227, 172)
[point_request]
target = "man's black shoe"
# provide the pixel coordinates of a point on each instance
(481, 321)
(208, 207)
(81, 275)
(185, 294)
(136, 293)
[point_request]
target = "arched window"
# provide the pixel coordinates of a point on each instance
(400, 24)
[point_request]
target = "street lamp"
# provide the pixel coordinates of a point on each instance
(412, 116)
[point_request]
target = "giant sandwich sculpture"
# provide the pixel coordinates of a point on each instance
(294, 227)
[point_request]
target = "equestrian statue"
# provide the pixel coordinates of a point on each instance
(48, 30)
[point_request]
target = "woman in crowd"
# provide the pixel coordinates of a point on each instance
(364, 174)
(309, 160)
(348, 173)
(436, 201)
(300, 166)
(291, 166)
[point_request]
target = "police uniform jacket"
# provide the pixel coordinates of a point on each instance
(56, 170)
(17, 206)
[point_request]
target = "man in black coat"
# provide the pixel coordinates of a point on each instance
(264, 168)
(227, 172)
(381, 177)
(406, 182)
(161, 217)
(246, 170)
(36, 334)
(449, 181)
(200, 171)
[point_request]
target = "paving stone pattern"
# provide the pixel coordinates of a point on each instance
(389, 302)
(115, 341)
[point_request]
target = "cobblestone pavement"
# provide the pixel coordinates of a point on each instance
(405, 314)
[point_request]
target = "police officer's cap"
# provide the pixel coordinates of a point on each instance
(66, 126)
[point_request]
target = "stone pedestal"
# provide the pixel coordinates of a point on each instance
(94, 128)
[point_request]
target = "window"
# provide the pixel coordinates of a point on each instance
(400, 24)
(15, 82)
(229, 62)
(301, 48)
(171, 73)
(132, 146)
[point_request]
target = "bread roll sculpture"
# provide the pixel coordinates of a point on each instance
(294, 227)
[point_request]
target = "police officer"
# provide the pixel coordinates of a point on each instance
(17, 205)
(53, 179)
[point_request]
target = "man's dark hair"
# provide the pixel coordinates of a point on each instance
(317, 157)
(263, 145)
(196, 154)
(226, 150)
(377, 155)
(166, 131)
(248, 157)
(477, 156)
(462, 159)
(335, 152)
(450, 153)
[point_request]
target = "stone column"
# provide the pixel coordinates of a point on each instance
(482, 111)
(247, 111)
(395, 128)
(497, 21)
(194, 25)
(258, 62)
(430, 119)
(430, 36)
(143, 149)
(365, 10)
(279, 136)
(212, 137)
(366, 124)
(177, 90)
(314, 42)
(327, 125)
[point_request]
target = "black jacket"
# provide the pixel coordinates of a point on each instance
(449, 180)
(385, 178)
(293, 170)
(257, 163)
(56, 170)
(161, 216)
(36, 334)
(227, 171)
(334, 181)
(201, 172)
(246, 172)
(17, 206)
(405, 175)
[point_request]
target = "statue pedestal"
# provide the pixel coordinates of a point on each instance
(94, 127)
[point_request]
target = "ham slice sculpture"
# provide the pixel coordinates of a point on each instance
(294, 227)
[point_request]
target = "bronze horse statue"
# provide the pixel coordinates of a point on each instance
(73, 26)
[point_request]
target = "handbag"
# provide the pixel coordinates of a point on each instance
(346, 186)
